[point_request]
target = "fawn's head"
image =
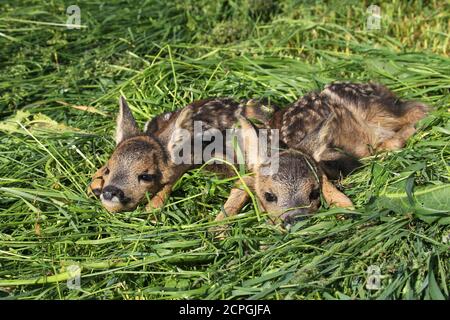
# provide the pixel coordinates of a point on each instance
(287, 184)
(137, 166)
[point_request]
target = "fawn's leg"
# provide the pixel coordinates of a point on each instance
(333, 196)
(96, 185)
(237, 199)
(398, 141)
(413, 112)
(160, 198)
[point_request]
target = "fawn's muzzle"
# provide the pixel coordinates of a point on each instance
(294, 216)
(112, 193)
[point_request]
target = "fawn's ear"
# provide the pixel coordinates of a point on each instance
(126, 125)
(179, 146)
(249, 142)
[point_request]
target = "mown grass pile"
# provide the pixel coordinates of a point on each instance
(59, 90)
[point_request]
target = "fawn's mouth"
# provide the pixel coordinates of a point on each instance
(293, 216)
(117, 205)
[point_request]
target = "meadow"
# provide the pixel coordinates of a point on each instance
(59, 92)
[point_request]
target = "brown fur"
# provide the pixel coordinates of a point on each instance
(287, 194)
(346, 122)
(337, 127)
(326, 133)
(147, 153)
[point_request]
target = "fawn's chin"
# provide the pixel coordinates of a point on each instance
(292, 216)
(114, 207)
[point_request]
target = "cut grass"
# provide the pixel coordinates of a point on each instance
(162, 56)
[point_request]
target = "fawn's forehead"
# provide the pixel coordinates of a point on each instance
(293, 168)
(137, 149)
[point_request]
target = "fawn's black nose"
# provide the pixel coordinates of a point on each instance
(291, 220)
(109, 192)
(294, 216)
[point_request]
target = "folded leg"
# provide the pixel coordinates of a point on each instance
(96, 185)
(333, 196)
(159, 198)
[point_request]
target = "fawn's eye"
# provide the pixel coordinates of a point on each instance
(106, 172)
(146, 177)
(270, 197)
(315, 193)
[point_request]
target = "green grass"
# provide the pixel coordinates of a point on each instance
(162, 55)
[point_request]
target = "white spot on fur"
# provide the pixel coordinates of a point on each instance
(146, 125)
(114, 200)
